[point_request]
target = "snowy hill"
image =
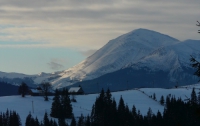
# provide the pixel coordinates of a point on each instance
(135, 59)
(138, 97)
(117, 53)
(138, 58)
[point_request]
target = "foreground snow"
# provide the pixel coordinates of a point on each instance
(138, 97)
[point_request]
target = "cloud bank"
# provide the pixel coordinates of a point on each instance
(91, 24)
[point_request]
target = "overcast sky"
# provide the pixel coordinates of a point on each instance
(53, 35)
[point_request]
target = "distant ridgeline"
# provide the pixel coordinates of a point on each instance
(7, 89)
(18, 81)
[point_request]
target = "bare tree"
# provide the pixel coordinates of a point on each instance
(46, 88)
(23, 89)
(198, 25)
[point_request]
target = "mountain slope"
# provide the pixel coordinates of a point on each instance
(164, 67)
(117, 53)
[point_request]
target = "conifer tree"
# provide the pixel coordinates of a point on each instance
(159, 121)
(32, 122)
(114, 117)
(193, 97)
(46, 120)
(66, 105)
(56, 105)
(98, 110)
(149, 114)
(1, 119)
(41, 123)
(121, 111)
(198, 98)
(61, 122)
(154, 96)
(37, 122)
(7, 117)
(73, 122)
(51, 122)
(81, 121)
(107, 108)
(134, 115)
(28, 119)
(87, 121)
(162, 100)
(54, 123)
(195, 64)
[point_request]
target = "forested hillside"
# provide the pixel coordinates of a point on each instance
(7, 89)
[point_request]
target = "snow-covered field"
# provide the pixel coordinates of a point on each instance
(84, 102)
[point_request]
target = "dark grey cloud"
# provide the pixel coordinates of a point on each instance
(55, 66)
(96, 22)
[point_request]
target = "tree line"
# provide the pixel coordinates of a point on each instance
(9, 118)
(105, 112)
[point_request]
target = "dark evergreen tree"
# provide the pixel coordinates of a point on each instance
(108, 113)
(51, 122)
(98, 110)
(56, 107)
(4, 119)
(23, 89)
(149, 116)
(16, 119)
(61, 122)
(1, 119)
(46, 120)
(162, 100)
(159, 120)
(114, 116)
(134, 115)
(37, 122)
(54, 123)
(7, 117)
(128, 116)
(28, 119)
(154, 96)
(196, 65)
(41, 123)
(32, 122)
(81, 121)
(73, 122)
(121, 112)
(66, 105)
(93, 114)
(87, 121)
(193, 98)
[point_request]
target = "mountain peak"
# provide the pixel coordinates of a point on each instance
(141, 32)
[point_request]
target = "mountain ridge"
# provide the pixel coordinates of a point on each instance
(140, 50)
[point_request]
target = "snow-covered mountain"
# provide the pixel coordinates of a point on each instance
(135, 59)
(140, 51)
(116, 54)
